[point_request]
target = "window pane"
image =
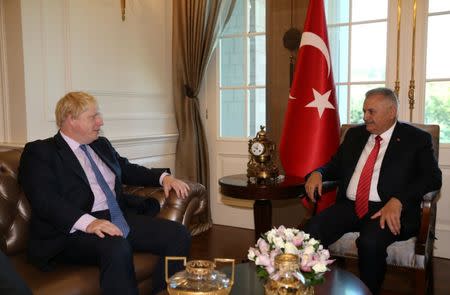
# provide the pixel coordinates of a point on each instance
(257, 15)
(236, 24)
(232, 62)
(357, 96)
(369, 9)
(257, 60)
(337, 11)
(438, 47)
(438, 5)
(338, 38)
(232, 113)
(342, 91)
(437, 107)
(257, 110)
(368, 52)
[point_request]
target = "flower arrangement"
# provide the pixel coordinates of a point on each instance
(313, 258)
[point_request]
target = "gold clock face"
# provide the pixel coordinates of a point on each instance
(257, 149)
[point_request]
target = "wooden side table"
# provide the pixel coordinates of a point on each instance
(237, 186)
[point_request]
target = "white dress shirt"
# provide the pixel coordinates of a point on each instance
(100, 202)
(353, 185)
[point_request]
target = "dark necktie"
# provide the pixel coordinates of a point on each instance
(114, 209)
(362, 192)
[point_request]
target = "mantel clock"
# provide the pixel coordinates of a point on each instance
(261, 167)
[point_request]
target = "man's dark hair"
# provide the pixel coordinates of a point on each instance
(386, 92)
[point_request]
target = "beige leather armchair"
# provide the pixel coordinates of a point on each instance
(15, 214)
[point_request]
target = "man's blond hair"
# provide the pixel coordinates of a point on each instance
(72, 104)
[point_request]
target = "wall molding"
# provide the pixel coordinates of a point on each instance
(132, 140)
(148, 146)
(4, 94)
(128, 94)
(121, 142)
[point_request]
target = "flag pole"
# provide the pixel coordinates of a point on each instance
(397, 79)
(413, 56)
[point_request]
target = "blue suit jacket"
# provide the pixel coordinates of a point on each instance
(59, 192)
(408, 171)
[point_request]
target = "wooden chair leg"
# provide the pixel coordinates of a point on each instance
(420, 282)
(430, 278)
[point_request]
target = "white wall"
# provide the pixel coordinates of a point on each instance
(51, 47)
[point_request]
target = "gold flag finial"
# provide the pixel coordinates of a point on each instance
(122, 5)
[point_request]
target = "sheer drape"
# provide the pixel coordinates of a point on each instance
(196, 27)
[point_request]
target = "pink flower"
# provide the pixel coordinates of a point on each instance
(263, 246)
(298, 240)
(312, 257)
(263, 260)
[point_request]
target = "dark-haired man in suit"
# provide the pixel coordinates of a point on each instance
(383, 167)
(80, 215)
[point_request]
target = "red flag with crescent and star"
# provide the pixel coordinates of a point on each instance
(311, 125)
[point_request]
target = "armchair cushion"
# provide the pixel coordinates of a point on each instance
(399, 253)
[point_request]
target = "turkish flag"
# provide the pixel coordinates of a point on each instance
(311, 125)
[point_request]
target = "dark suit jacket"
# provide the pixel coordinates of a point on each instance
(408, 171)
(59, 192)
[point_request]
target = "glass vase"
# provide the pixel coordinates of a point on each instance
(286, 278)
(199, 277)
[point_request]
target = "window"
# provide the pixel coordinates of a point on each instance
(243, 70)
(437, 80)
(357, 30)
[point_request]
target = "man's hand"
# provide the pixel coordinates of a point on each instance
(314, 181)
(100, 227)
(390, 214)
(180, 187)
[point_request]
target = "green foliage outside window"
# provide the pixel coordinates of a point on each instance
(437, 107)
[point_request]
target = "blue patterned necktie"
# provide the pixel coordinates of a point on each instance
(114, 209)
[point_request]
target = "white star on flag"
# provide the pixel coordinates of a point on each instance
(320, 102)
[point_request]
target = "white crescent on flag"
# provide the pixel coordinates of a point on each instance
(314, 40)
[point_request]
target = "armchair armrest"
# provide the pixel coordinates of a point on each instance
(174, 208)
(326, 187)
(427, 222)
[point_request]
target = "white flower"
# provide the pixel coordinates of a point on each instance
(290, 248)
(313, 242)
(320, 267)
(289, 233)
(309, 250)
(270, 235)
(278, 242)
(251, 254)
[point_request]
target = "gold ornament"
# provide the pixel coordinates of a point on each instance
(286, 280)
(199, 278)
(261, 167)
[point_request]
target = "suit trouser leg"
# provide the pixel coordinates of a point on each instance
(372, 244)
(329, 225)
(10, 282)
(113, 256)
(161, 237)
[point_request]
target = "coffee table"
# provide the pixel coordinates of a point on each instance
(337, 282)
